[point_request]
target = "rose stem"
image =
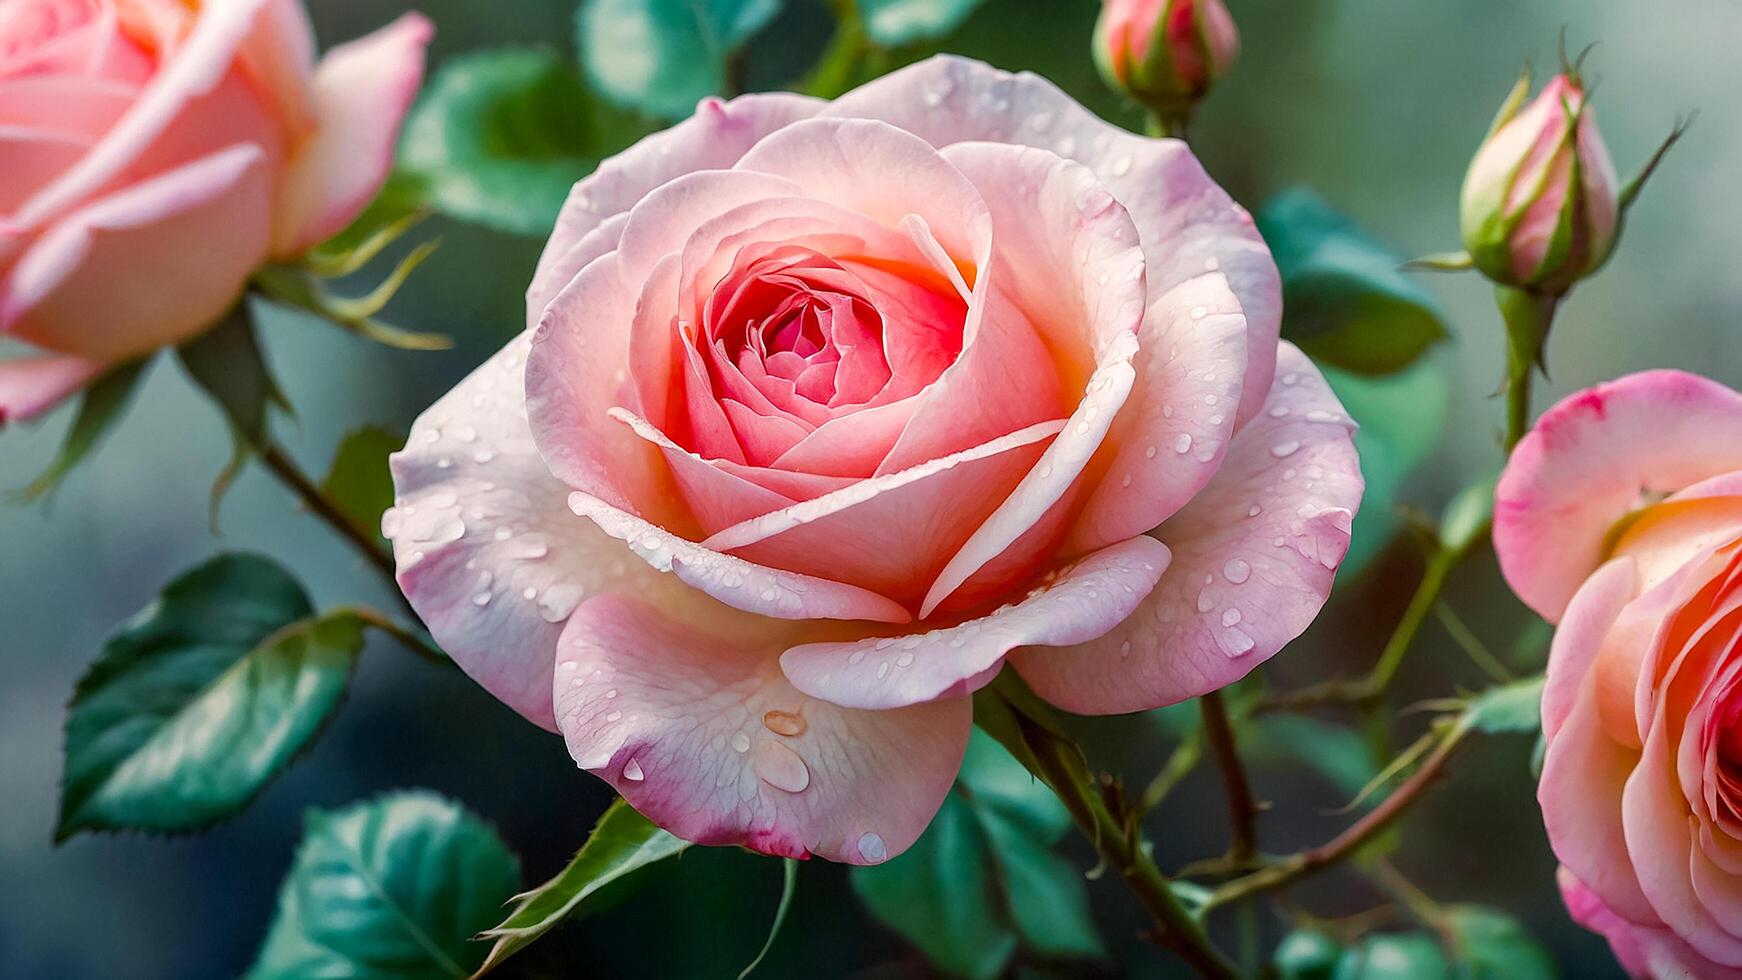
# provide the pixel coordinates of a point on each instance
(1242, 808)
(1528, 318)
(1303, 863)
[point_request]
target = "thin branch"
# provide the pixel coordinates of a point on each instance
(1242, 807)
(1184, 759)
(318, 503)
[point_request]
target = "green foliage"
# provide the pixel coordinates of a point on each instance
(1467, 517)
(661, 56)
(1509, 708)
(622, 843)
(227, 363)
(1488, 944)
(358, 481)
(100, 407)
(1402, 417)
(1346, 301)
(1390, 956)
(396, 887)
(500, 136)
(892, 23)
(983, 880)
(788, 888)
(201, 699)
(1307, 954)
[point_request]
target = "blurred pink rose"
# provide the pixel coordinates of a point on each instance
(1620, 517)
(1539, 204)
(1165, 51)
(154, 153)
(829, 408)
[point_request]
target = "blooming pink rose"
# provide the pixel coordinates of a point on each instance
(828, 409)
(154, 153)
(1620, 517)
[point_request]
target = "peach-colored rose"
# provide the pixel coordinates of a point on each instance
(1620, 517)
(154, 153)
(828, 408)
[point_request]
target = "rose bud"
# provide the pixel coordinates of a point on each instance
(1540, 202)
(1165, 53)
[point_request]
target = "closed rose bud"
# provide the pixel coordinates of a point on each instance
(1165, 53)
(1539, 205)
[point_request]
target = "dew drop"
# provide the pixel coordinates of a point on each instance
(481, 599)
(1236, 571)
(1284, 449)
(1183, 444)
(1125, 649)
(1205, 603)
(1278, 411)
(1231, 616)
(1121, 166)
(1199, 312)
(633, 773)
(871, 848)
(1149, 453)
(614, 716)
(784, 723)
(1254, 510)
(905, 660)
(1239, 643)
(780, 767)
(857, 658)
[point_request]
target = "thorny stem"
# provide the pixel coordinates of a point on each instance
(1242, 807)
(1304, 863)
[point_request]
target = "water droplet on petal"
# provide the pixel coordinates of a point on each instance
(740, 742)
(1284, 449)
(1230, 617)
(633, 773)
(871, 848)
(784, 723)
(1239, 643)
(780, 767)
(1183, 443)
(1236, 571)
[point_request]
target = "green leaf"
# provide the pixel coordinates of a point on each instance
(226, 362)
(940, 895)
(1488, 944)
(391, 888)
(1514, 708)
(892, 23)
(402, 202)
(1402, 418)
(100, 407)
(358, 481)
(1389, 956)
(987, 880)
(201, 699)
(788, 887)
(622, 843)
(499, 138)
(661, 56)
(1345, 300)
(1307, 954)
(1467, 516)
(1338, 754)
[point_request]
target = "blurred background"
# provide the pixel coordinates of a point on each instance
(1378, 106)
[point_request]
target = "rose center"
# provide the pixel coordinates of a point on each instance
(29, 29)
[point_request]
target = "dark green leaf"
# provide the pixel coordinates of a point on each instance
(99, 408)
(622, 843)
(228, 364)
(1402, 417)
(893, 23)
(1345, 300)
(201, 699)
(358, 481)
(1047, 894)
(500, 137)
(1307, 954)
(392, 888)
(788, 887)
(1388, 956)
(941, 895)
(1488, 944)
(1509, 708)
(661, 56)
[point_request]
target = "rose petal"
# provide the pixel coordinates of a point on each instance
(1254, 555)
(488, 552)
(712, 139)
(1580, 637)
(1081, 604)
(1586, 464)
(362, 91)
(280, 55)
(1188, 224)
(30, 386)
(708, 740)
(179, 247)
(738, 583)
(33, 158)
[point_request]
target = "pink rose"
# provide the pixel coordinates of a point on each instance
(1165, 51)
(154, 153)
(1620, 517)
(828, 408)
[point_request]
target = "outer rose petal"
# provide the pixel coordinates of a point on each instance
(712, 139)
(178, 246)
(31, 386)
(489, 553)
(1187, 223)
(1643, 951)
(1253, 559)
(1579, 639)
(1082, 604)
(280, 55)
(199, 66)
(708, 740)
(363, 89)
(1586, 464)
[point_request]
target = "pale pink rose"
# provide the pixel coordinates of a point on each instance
(827, 409)
(1539, 206)
(154, 153)
(1620, 517)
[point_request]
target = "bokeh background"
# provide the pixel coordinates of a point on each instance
(1378, 105)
